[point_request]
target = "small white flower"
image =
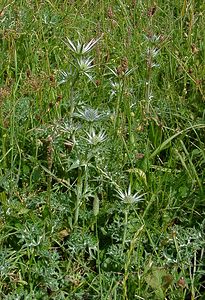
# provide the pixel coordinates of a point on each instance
(81, 48)
(90, 115)
(64, 77)
(128, 197)
(152, 52)
(85, 66)
(96, 138)
(152, 38)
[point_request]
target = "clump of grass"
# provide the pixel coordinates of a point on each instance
(102, 150)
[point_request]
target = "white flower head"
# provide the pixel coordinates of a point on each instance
(80, 48)
(85, 66)
(64, 76)
(128, 197)
(90, 115)
(152, 52)
(96, 138)
(152, 37)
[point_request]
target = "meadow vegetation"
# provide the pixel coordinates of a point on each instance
(102, 149)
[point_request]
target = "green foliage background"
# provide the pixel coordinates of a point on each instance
(102, 153)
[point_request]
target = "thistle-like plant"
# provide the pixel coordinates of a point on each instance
(90, 115)
(81, 65)
(64, 76)
(153, 49)
(94, 138)
(84, 66)
(79, 48)
(129, 198)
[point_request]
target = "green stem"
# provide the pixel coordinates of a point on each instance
(125, 230)
(79, 195)
(72, 102)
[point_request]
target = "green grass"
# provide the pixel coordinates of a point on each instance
(102, 150)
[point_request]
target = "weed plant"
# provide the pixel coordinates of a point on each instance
(102, 150)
